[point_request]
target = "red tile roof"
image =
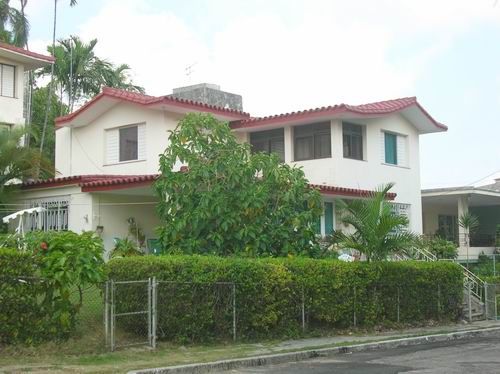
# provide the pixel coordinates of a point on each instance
(142, 99)
(376, 108)
(25, 52)
(93, 183)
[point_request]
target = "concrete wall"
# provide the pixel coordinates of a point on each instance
(11, 109)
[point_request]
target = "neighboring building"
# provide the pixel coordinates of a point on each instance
(443, 207)
(14, 62)
(107, 155)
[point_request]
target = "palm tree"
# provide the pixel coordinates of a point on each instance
(379, 231)
(14, 26)
(18, 162)
(470, 223)
(80, 74)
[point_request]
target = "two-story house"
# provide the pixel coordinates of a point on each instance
(14, 62)
(107, 155)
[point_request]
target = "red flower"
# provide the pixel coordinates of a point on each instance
(44, 246)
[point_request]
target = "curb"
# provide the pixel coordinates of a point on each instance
(279, 358)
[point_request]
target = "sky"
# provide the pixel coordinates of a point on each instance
(290, 55)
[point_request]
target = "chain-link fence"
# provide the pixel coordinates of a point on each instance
(140, 312)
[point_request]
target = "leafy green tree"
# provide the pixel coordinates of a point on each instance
(378, 230)
(17, 162)
(14, 26)
(229, 201)
(470, 223)
(38, 104)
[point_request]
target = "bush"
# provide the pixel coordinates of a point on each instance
(19, 309)
(58, 266)
(440, 247)
(269, 294)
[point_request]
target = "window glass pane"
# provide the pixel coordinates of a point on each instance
(303, 148)
(353, 141)
(278, 146)
(128, 143)
(328, 218)
(391, 152)
(7, 82)
(322, 146)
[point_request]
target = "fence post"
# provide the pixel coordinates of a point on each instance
(150, 329)
(354, 307)
(154, 316)
(234, 311)
(469, 299)
(494, 265)
(303, 311)
(112, 327)
(106, 313)
(398, 306)
(439, 301)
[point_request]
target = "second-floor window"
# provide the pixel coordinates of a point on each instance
(352, 138)
(312, 141)
(126, 143)
(394, 149)
(7, 80)
(272, 141)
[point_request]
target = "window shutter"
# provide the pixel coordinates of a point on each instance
(382, 147)
(328, 218)
(141, 140)
(7, 84)
(401, 150)
(112, 146)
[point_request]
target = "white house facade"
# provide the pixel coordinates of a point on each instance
(14, 62)
(107, 156)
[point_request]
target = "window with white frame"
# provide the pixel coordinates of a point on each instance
(7, 80)
(55, 217)
(127, 143)
(394, 149)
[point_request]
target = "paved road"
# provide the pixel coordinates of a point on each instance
(478, 355)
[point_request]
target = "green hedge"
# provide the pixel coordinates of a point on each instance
(19, 309)
(270, 293)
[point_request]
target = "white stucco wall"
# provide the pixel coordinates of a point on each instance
(370, 172)
(82, 150)
(11, 109)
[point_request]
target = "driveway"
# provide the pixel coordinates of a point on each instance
(477, 355)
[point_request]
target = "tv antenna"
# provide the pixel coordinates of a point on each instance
(189, 70)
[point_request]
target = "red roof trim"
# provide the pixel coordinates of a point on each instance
(119, 183)
(95, 183)
(377, 108)
(25, 52)
(147, 100)
(342, 191)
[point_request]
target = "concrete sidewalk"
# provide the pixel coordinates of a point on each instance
(296, 350)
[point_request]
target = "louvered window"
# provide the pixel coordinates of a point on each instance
(7, 80)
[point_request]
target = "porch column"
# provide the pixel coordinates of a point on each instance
(463, 208)
(288, 144)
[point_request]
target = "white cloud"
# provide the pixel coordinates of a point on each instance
(338, 51)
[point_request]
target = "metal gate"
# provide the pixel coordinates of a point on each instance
(490, 301)
(130, 313)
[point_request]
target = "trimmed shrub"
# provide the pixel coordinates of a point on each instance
(270, 293)
(19, 309)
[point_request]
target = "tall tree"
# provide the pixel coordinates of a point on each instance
(14, 26)
(378, 230)
(229, 201)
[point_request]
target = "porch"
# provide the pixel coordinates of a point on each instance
(442, 208)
